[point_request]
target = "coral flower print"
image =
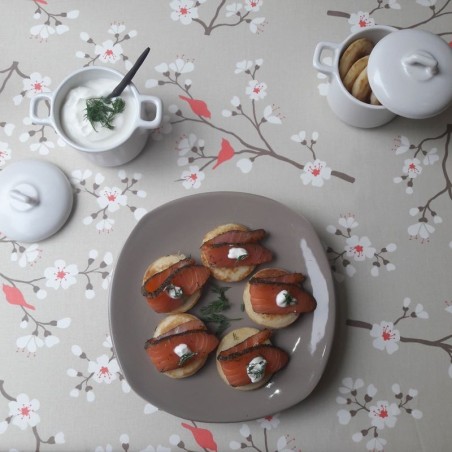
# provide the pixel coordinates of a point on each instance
(184, 11)
(103, 370)
(384, 414)
(359, 248)
(111, 198)
(315, 173)
(61, 275)
(23, 411)
(386, 337)
(256, 90)
(108, 52)
(360, 20)
(192, 178)
(36, 84)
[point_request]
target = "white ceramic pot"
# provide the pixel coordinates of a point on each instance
(409, 71)
(121, 151)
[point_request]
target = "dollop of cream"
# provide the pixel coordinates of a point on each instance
(256, 369)
(182, 350)
(174, 292)
(237, 253)
(284, 299)
(79, 129)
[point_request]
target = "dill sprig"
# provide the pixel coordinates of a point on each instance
(103, 110)
(185, 357)
(213, 312)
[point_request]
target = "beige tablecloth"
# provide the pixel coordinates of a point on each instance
(245, 111)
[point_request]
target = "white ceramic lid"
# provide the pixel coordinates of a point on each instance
(35, 200)
(410, 73)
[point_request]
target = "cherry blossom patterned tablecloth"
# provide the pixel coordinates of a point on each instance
(243, 111)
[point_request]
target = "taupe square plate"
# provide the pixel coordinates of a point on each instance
(179, 226)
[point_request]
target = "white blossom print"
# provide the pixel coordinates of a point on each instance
(357, 250)
(103, 370)
(50, 23)
(316, 173)
(24, 411)
(108, 51)
(189, 12)
(358, 400)
(388, 335)
(61, 275)
(423, 157)
(251, 438)
(111, 199)
(23, 414)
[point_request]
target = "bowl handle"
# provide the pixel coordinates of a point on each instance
(157, 103)
(34, 102)
(319, 49)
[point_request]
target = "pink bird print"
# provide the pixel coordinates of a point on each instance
(14, 296)
(226, 152)
(199, 107)
(202, 436)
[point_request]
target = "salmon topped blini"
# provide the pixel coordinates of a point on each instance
(180, 345)
(246, 359)
(275, 298)
(173, 283)
(232, 251)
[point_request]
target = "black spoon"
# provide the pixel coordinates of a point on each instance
(128, 77)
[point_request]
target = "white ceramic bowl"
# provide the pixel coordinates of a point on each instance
(124, 150)
(344, 105)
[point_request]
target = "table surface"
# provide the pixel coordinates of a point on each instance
(244, 111)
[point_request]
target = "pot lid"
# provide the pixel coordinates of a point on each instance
(410, 73)
(35, 200)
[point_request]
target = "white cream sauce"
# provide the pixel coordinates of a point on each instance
(256, 369)
(181, 350)
(237, 253)
(80, 130)
(284, 299)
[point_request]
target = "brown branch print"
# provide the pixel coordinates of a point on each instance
(193, 151)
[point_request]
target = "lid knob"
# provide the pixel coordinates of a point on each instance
(23, 197)
(420, 65)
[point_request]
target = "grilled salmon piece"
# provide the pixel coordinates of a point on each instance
(173, 283)
(234, 365)
(232, 251)
(263, 296)
(161, 350)
(275, 298)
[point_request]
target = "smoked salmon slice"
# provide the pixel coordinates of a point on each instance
(263, 298)
(161, 350)
(236, 237)
(255, 339)
(217, 255)
(188, 277)
(234, 366)
(154, 282)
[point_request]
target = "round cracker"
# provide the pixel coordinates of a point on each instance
(233, 338)
(226, 274)
(163, 263)
(275, 321)
(167, 324)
